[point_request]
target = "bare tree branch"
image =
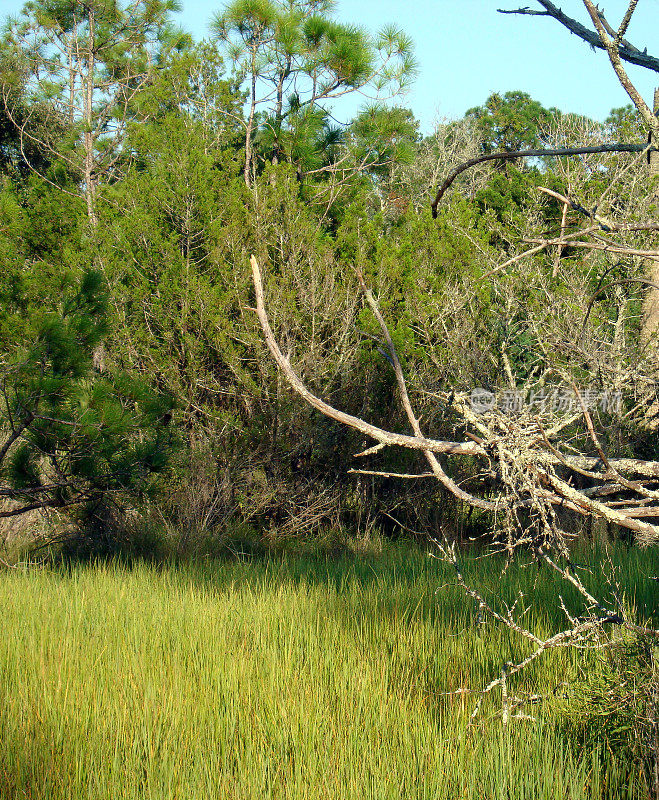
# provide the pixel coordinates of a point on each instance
(626, 51)
(622, 30)
(379, 434)
(615, 58)
(435, 466)
(508, 155)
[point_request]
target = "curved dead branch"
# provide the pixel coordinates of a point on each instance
(513, 154)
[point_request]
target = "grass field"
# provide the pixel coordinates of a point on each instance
(300, 677)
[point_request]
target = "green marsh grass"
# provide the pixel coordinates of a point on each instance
(297, 677)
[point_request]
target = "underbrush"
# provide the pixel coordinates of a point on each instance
(152, 538)
(615, 702)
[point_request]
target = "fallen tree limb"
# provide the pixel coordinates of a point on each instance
(379, 434)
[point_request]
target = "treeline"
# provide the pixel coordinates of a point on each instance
(140, 169)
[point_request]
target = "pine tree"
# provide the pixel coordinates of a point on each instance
(295, 60)
(69, 434)
(83, 65)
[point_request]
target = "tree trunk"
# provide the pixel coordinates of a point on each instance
(650, 319)
(651, 306)
(89, 176)
(250, 127)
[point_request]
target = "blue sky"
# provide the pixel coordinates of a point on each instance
(465, 51)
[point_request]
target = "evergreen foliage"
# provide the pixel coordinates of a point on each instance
(513, 121)
(73, 434)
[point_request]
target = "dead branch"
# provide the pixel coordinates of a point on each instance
(511, 155)
(379, 434)
(527, 463)
(435, 466)
(613, 51)
(403, 475)
(605, 248)
(626, 51)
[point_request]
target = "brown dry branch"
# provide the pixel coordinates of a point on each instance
(613, 50)
(561, 246)
(538, 153)
(602, 246)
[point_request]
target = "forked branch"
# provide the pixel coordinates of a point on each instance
(627, 51)
(529, 468)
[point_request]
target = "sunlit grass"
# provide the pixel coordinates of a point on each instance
(294, 678)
